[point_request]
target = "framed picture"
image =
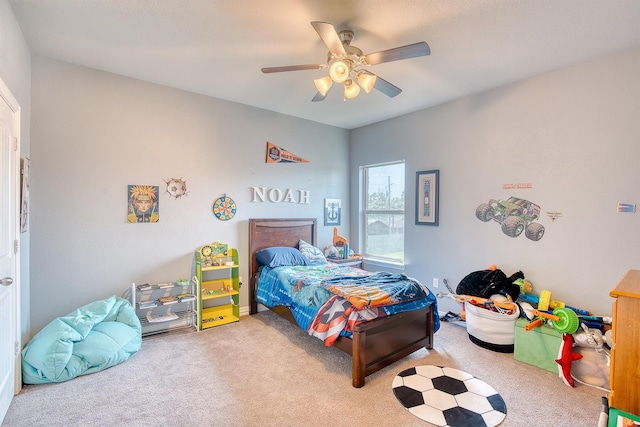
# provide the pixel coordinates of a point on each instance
(143, 203)
(427, 193)
(332, 211)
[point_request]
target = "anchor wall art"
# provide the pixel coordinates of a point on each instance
(332, 211)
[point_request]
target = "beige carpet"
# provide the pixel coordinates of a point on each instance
(263, 371)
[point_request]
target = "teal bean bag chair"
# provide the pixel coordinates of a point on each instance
(92, 338)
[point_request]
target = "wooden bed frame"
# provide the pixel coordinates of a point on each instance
(374, 344)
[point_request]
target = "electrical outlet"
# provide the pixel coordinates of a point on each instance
(435, 282)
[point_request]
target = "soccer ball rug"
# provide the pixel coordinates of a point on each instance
(448, 397)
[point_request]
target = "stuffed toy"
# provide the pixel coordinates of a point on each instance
(525, 286)
(589, 337)
(331, 252)
(485, 283)
(565, 358)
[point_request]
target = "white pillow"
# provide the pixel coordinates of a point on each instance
(314, 254)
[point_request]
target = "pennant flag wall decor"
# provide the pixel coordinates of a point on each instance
(276, 154)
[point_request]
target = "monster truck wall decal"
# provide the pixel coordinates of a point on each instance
(515, 215)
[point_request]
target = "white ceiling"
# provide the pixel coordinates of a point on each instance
(217, 47)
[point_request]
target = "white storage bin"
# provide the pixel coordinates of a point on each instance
(492, 330)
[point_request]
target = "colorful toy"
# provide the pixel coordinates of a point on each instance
(565, 358)
(544, 302)
(338, 240)
(478, 301)
(600, 319)
(563, 320)
(525, 286)
(526, 310)
(533, 324)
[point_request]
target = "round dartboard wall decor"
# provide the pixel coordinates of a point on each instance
(224, 208)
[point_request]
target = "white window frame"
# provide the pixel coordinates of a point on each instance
(365, 212)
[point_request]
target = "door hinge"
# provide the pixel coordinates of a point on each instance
(16, 349)
(15, 246)
(15, 143)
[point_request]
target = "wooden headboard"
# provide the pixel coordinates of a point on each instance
(269, 232)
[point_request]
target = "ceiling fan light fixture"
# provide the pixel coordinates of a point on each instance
(323, 84)
(351, 90)
(366, 80)
(339, 71)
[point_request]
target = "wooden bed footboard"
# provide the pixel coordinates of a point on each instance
(381, 342)
(373, 345)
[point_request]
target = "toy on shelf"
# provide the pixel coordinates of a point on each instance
(341, 244)
(213, 254)
(338, 240)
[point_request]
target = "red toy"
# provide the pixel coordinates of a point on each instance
(565, 358)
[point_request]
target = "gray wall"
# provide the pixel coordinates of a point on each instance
(15, 71)
(572, 134)
(94, 133)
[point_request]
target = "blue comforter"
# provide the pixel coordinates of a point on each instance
(92, 338)
(306, 289)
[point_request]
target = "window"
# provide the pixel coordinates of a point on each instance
(383, 202)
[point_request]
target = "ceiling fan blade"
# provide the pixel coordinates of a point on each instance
(318, 97)
(398, 53)
(321, 97)
(268, 70)
(330, 37)
(387, 88)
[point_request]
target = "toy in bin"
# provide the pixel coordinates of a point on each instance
(487, 306)
(493, 330)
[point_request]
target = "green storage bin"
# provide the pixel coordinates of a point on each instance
(617, 418)
(538, 347)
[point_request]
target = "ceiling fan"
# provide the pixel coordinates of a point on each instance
(347, 64)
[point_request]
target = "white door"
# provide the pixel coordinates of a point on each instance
(9, 220)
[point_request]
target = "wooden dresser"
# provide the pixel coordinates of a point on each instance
(625, 354)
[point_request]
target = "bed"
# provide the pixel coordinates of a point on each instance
(372, 345)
